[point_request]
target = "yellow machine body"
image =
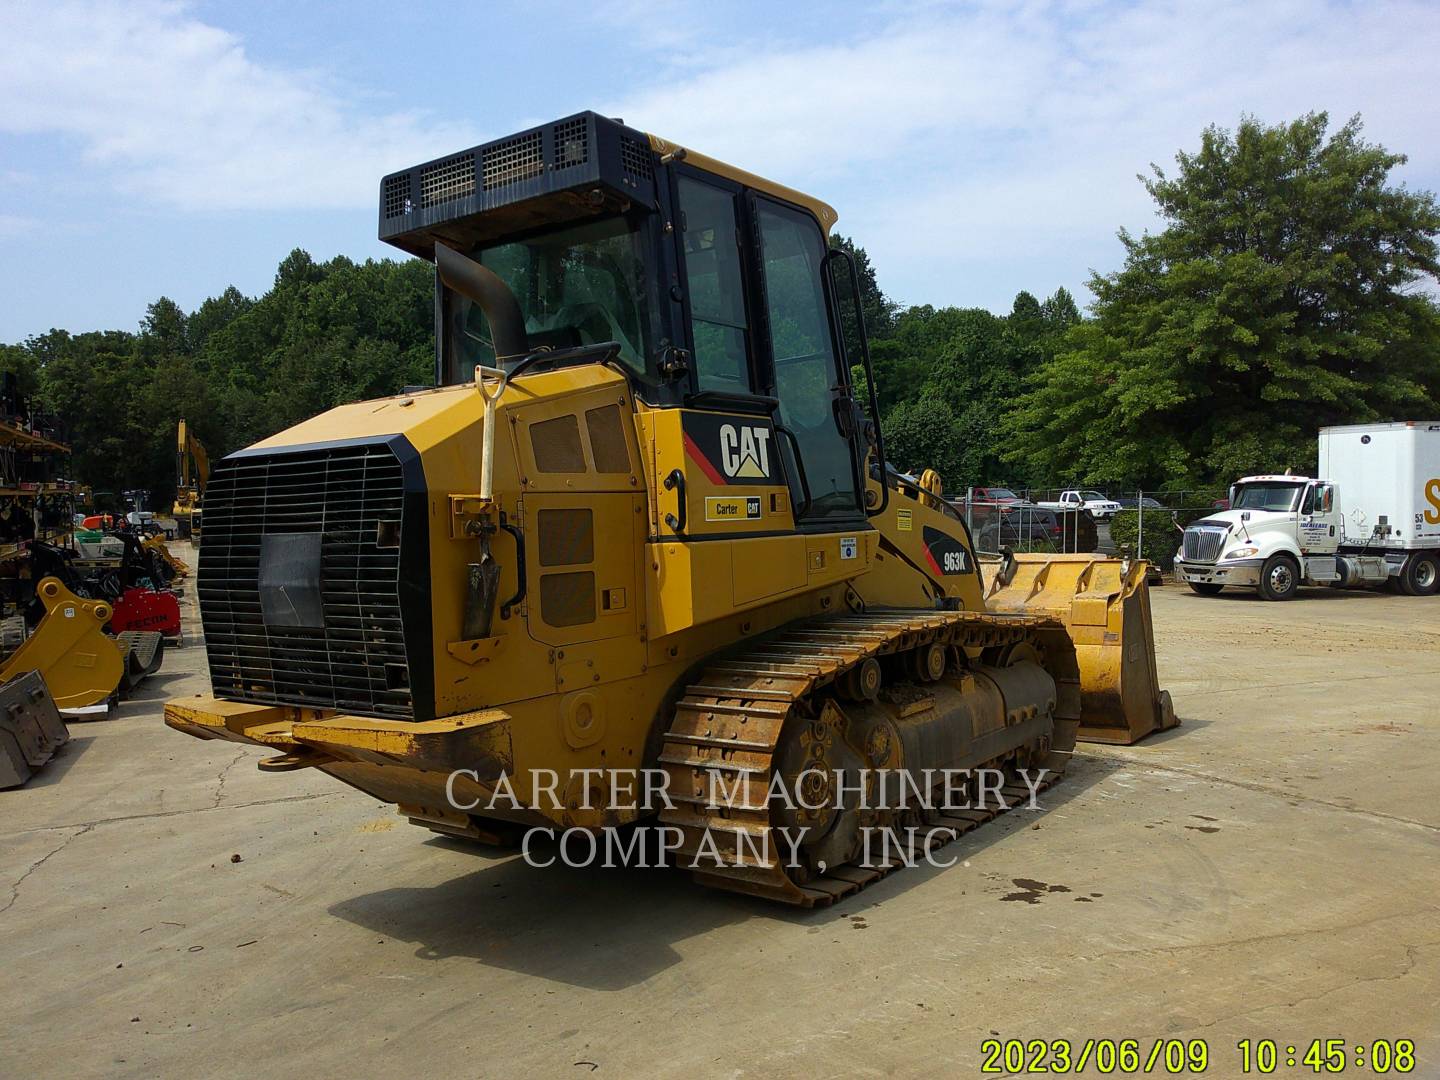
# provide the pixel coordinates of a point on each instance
(600, 579)
(539, 693)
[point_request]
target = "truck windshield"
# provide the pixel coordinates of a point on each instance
(1092, 496)
(1267, 496)
(577, 285)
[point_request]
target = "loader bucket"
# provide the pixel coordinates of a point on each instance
(79, 662)
(1104, 604)
(30, 728)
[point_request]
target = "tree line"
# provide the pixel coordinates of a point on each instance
(1290, 287)
(236, 369)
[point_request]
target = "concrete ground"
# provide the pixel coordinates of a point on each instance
(1268, 870)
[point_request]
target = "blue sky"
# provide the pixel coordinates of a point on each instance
(975, 149)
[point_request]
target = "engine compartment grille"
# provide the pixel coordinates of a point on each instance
(353, 496)
(1202, 544)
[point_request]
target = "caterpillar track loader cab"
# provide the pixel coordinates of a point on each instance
(643, 521)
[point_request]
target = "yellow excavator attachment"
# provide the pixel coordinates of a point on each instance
(80, 663)
(1105, 606)
(158, 545)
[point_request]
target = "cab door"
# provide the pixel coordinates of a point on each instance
(1320, 526)
(815, 417)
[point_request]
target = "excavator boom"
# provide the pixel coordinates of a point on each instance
(192, 468)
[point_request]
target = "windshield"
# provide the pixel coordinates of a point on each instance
(577, 285)
(1267, 496)
(1093, 496)
(1000, 493)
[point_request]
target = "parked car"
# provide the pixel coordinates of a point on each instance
(1083, 499)
(1002, 496)
(1127, 502)
(1019, 525)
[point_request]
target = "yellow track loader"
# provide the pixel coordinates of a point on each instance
(642, 522)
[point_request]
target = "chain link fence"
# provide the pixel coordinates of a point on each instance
(1138, 523)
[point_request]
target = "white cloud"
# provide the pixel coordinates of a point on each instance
(975, 148)
(16, 224)
(1010, 135)
(185, 117)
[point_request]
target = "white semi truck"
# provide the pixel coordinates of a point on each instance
(1373, 520)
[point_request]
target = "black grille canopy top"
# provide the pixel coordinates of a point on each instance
(309, 556)
(549, 174)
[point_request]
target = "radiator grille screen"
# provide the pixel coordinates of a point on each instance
(397, 195)
(513, 161)
(567, 537)
(1202, 545)
(448, 180)
(556, 445)
(355, 662)
(607, 439)
(567, 599)
(636, 158)
(572, 143)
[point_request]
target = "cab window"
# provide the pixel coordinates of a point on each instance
(807, 379)
(716, 289)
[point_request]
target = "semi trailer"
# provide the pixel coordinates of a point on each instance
(1371, 518)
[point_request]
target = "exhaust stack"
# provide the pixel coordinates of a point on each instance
(486, 288)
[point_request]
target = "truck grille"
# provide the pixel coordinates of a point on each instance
(1202, 544)
(353, 495)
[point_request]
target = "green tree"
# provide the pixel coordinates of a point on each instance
(879, 309)
(236, 369)
(1280, 297)
(925, 434)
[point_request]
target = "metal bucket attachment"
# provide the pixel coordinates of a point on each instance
(1105, 606)
(79, 663)
(30, 728)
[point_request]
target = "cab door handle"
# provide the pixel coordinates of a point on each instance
(676, 482)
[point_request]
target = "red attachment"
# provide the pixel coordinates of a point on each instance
(146, 609)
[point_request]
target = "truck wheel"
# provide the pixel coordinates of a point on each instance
(1206, 588)
(1421, 575)
(1279, 578)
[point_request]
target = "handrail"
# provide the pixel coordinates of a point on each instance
(841, 253)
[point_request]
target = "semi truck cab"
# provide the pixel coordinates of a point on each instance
(1282, 532)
